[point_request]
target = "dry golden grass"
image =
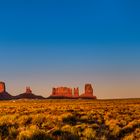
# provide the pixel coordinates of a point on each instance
(70, 120)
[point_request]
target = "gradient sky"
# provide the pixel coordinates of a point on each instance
(71, 42)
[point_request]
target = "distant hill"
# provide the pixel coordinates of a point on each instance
(5, 96)
(28, 96)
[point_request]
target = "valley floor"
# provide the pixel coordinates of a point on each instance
(70, 119)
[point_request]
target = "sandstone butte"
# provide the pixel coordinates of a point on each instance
(2, 87)
(4, 95)
(65, 92)
(28, 95)
(57, 93)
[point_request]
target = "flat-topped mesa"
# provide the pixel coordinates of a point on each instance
(2, 87)
(65, 92)
(28, 90)
(62, 91)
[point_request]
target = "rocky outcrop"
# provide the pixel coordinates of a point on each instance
(28, 95)
(88, 92)
(57, 93)
(28, 90)
(4, 95)
(2, 87)
(76, 92)
(64, 93)
(69, 93)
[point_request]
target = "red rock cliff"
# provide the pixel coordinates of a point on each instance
(2, 87)
(88, 92)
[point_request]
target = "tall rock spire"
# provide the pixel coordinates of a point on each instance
(28, 90)
(88, 90)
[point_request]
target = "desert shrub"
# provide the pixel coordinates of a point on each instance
(116, 131)
(57, 133)
(33, 135)
(95, 126)
(89, 134)
(84, 118)
(75, 131)
(69, 119)
(111, 123)
(81, 127)
(13, 133)
(5, 123)
(103, 137)
(69, 136)
(137, 133)
(39, 120)
(24, 135)
(48, 125)
(7, 119)
(40, 135)
(25, 120)
(128, 137)
(66, 128)
(122, 123)
(130, 127)
(4, 131)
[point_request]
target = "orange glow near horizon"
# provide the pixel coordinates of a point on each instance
(103, 89)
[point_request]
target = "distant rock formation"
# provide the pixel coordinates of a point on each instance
(28, 90)
(57, 93)
(2, 87)
(28, 95)
(69, 93)
(88, 92)
(64, 92)
(3, 94)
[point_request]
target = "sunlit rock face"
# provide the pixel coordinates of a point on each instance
(65, 92)
(76, 92)
(3, 94)
(62, 91)
(88, 92)
(2, 87)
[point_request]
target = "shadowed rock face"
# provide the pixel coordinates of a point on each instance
(3, 94)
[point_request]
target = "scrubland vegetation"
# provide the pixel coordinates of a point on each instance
(70, 120)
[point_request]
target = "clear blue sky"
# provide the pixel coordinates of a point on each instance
(71, 42)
